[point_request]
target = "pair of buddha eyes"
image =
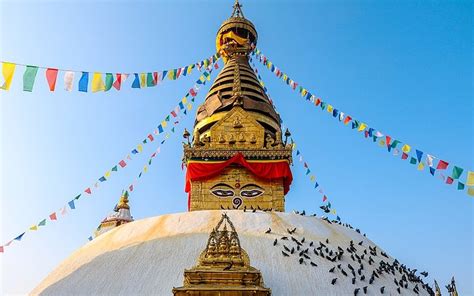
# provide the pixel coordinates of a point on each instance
(249, 191)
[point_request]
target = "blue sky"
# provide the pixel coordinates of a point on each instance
(404, 67)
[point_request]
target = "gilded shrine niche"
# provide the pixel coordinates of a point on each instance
(223, 268)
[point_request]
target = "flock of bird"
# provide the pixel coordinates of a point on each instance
(349, 261)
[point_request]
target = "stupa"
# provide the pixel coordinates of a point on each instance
(236, 238)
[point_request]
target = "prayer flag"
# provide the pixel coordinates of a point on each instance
(470, 178)
(72, 205)
(192, 92)
(419, 154)
(118, 81)
(317, 102)
(64, 210)
(362, 127)
(122, 163)
(172, 74)
(97, 82)
(18, 238)
(77, 197)
(404, 156)
(442, 165)
(109, 81)
(413, 160)
(136, 81)
(429, 159)
(42, 222)
(347, 119)
(460, 186)
(51, 76)
(449, 180)
(149, 80)
(432, 171)
(8, 69)
(160, 129)
(325, 198)
(155, 78)
(395, 143)
(134, 151)
(131, 187)
(84, 81)
(102, 179)
(470, 191)
(90, 238)
(1, 249)
(52, 216)
(88, 190)
(34, 227)
(406, 148)
(150, 136)
(107, 174)
(142, 80)
(316, 185)
(114, 169)
(421, 166)
(457, 171)
(29, 78)
(68, 80)
(140, 148)
(330, 108)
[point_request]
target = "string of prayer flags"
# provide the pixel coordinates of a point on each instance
(142, 79)
(326, 208)
(387, 141)
(121, 164)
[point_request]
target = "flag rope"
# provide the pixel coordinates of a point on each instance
(326, 205)
(417, 158)
(112, 79)
(182, 105)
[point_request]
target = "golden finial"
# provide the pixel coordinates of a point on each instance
(237, 9)
(123, 203)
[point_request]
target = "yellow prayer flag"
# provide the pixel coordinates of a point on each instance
(190, 68)
(470, 191)
(140, 148)
(421, 166)
(34, 227)
(293, 146)
(330, 108)
(190, 106)
(8, 69)
(382, 143)
(145, 169)
(164, 123)
(184, 100)
(333, 211)
(142, 80)
(107, 174)
(312, 178)
(97, 82)
(362, 127)
(406, 148)
(470, 178)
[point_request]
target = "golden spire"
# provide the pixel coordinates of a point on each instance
(123, 202)
(237, 10)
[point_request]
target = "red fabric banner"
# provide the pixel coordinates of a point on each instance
(264, 170)
(51, 76)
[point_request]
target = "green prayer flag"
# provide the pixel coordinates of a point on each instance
(149, 162)
(167, 118)
(395, 143)
(457, 171)
(29, 77)
(149, 79)
(109, 81)
(77, 197)
(413, 160)
(42, 222)
(114, 168)
(460, 186)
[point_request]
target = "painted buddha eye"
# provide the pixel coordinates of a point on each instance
(222, 190)
(251, 191)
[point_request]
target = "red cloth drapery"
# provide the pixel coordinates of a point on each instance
(269, 170)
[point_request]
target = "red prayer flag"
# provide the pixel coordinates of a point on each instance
(173, 113)
(388, 139)
(442, 165)
(131, 187)
(404, 155)
(150, 136)
(178, 72)
(88, 191)
(153, 155)
(325, 198)
(1, 249)
(118, 81)
(155, 78)
(449, 180)
(347, 119)
(53, 216)
(305, 165)
(317, 101)
(122, 163)
(51, 76)
(192, 92)
(366, 133)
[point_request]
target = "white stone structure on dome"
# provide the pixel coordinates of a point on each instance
(148, 257)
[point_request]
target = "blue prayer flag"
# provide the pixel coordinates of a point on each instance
(136, 81)
(84, 82)
(134, 151)
(71, 205)
(432, 171)
(419, 154)
(102, 179)
(160, 129)
(18, 238)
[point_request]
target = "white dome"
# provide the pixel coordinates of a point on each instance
(148, 257)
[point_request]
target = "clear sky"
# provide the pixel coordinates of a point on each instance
(404, 67)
